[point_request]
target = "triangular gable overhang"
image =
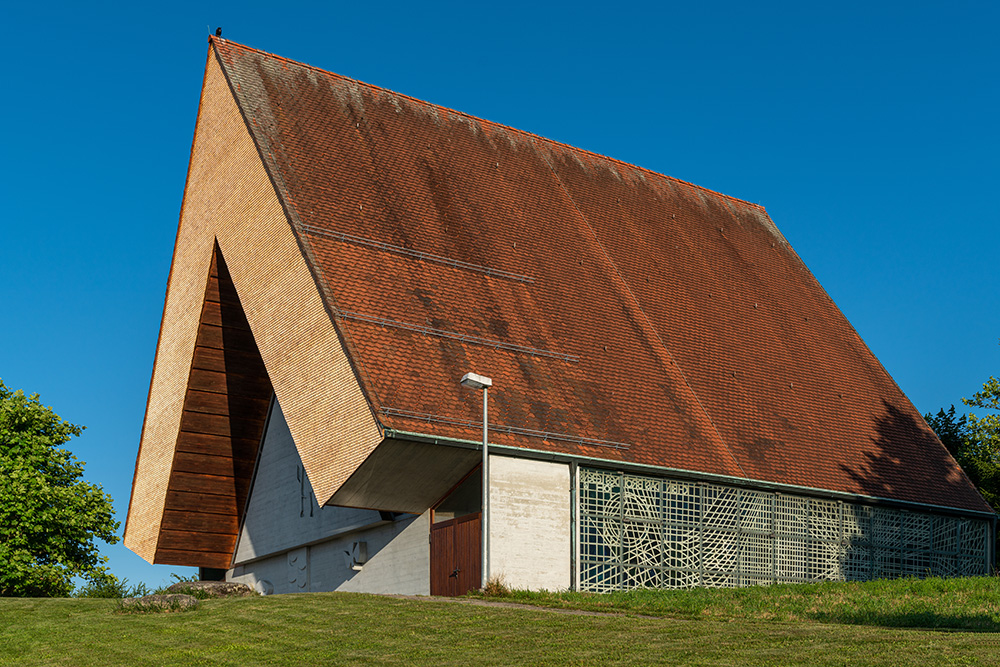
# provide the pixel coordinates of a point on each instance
(230, 203)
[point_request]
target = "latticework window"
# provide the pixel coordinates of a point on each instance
(638, 531)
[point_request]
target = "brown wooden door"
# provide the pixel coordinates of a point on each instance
(456, 555)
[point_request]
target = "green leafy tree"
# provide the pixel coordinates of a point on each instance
(49, 516)
(981, 454)
(974, 440)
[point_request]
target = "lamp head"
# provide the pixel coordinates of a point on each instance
(474, 381)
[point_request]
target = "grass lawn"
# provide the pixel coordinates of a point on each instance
(781, 625)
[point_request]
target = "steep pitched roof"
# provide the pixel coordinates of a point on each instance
(382, 246)
(610, 304)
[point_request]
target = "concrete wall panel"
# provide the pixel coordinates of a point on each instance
(283, 512)
(530, 523)
(398, 562)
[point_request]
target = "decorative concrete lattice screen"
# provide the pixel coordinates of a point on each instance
(660, 533)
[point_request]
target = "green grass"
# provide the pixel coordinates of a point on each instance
(960, 604)
(836, 624)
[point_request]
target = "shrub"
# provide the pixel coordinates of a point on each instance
(112, 588)
(496, 587)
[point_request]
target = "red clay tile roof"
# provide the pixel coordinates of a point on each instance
(607, 302)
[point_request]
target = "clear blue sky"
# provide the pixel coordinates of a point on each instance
(869, 131)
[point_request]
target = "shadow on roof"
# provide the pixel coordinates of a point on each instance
(906, 459)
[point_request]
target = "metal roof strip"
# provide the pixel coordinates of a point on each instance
(465, 338)
(417, 254)
(504, 428)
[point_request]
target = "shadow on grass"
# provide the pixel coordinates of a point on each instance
(926, 620)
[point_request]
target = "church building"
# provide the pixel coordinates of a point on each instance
(673, 400)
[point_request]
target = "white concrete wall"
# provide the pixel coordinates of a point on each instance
(398, 562)
(283, 512)
(530, 523)
(297, 546)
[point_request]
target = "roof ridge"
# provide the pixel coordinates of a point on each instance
(212, 39)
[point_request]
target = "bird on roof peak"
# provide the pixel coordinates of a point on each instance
(218, 32)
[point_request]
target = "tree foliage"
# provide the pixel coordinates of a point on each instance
(974, 440)
(49, 516)
(982, 450)
(952, 430)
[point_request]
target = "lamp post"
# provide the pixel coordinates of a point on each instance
(474, 381)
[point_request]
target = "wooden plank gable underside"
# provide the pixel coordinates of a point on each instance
(223, 417)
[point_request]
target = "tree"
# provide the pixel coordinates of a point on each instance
(49, 516)
(953, 431)
(982, 449)
(974, 441)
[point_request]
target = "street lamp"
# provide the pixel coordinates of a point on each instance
(474, 381)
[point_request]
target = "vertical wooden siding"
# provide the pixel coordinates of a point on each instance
(221, 425)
